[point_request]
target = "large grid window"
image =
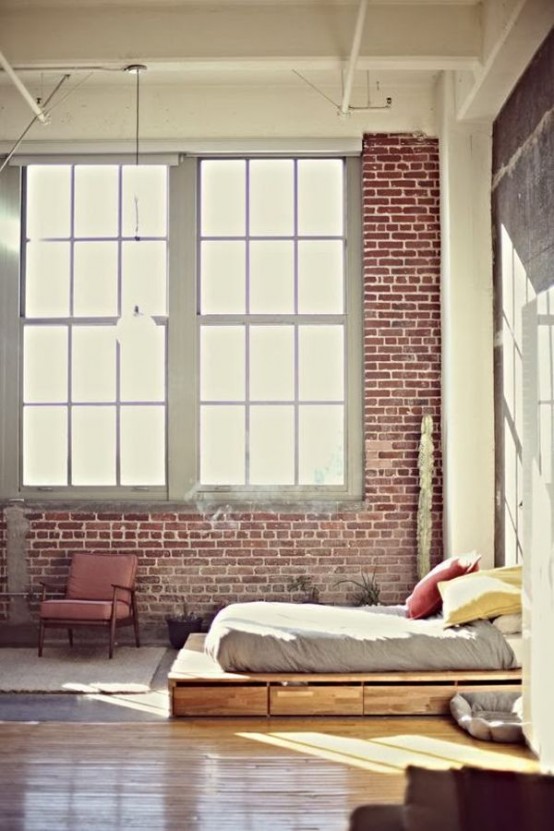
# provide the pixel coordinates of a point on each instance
(272, 322)
(94, 326)
(187, 329)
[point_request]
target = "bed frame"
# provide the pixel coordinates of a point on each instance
(199, 687)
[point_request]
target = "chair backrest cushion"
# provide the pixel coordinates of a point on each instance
(91, 576)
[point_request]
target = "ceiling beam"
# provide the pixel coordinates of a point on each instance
(513, 31)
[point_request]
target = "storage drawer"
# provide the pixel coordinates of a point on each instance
(317, 699)
(413, 699)
(220, 700)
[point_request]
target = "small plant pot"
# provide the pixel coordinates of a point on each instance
(179, 630)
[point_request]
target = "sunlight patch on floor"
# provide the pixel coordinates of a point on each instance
(392, 754)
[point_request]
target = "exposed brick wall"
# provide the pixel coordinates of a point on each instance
(402, 336)
(210, 558)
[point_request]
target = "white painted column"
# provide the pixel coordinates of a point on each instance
(467, 331)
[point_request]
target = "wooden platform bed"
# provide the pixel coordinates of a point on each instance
(198, 687)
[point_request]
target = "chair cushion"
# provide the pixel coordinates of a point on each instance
(82, 610)
(91, 576)
(501, 800)
(430, 802)
(377, 818)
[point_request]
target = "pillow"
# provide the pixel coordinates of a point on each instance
(425, 600)
(509, 624)
(485, 594)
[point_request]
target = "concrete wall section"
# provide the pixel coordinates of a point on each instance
(523, 223)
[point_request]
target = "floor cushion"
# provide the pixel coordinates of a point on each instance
(489, 716)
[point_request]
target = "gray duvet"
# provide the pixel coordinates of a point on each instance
(301, 637)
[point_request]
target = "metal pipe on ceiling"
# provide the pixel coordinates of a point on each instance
(354, 52)
(36, 108)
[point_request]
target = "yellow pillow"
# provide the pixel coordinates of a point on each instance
(482, 594)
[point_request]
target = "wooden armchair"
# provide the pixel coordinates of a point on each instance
(100, 591)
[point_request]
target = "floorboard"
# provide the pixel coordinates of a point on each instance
(279, 774)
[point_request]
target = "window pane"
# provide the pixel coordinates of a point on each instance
(95, 279)
(47, 279)
(222, 363)
(45, 364)
(321, 445)
(223, 277)
(320, 277)
(271, 363)
(143, 365)
(223, 198)
(222, 437)
(144, 201)
(272, 197)
(143, 446)
(144, 277)
(321, 363)
(48, 201)
(93, 364)
(93, 446)
(320, 197)
(271, 277)
(271, 445)
(96, 201)
(45, 446)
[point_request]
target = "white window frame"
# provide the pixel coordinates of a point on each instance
(182, 357)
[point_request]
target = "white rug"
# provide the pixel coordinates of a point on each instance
(79, 670)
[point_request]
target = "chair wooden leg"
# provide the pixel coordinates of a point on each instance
(112, 635)
(70, 636)
(40, 638)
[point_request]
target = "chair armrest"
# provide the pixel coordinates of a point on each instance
(117, 588)
(51, 586)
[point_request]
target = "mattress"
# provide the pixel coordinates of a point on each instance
(515, 642)
(301, 637)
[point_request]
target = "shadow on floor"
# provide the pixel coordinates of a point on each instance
(152, 706)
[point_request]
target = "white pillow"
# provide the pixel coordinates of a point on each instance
(509, 624)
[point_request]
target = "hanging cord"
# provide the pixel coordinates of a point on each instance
(70, 91)
(138, 119)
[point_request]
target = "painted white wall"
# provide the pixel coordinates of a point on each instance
(467, 331)
(179, 111)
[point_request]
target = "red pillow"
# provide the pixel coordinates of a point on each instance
(425, 600)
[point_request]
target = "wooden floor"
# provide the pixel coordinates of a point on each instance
(240, 774)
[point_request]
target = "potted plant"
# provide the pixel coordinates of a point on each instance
(368, 591)
(180, 624)
(303, 583)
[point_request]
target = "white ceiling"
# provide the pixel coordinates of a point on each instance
(262, 67)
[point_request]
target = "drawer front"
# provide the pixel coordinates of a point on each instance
(407, 699)
(327, 700)
(233, 700)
